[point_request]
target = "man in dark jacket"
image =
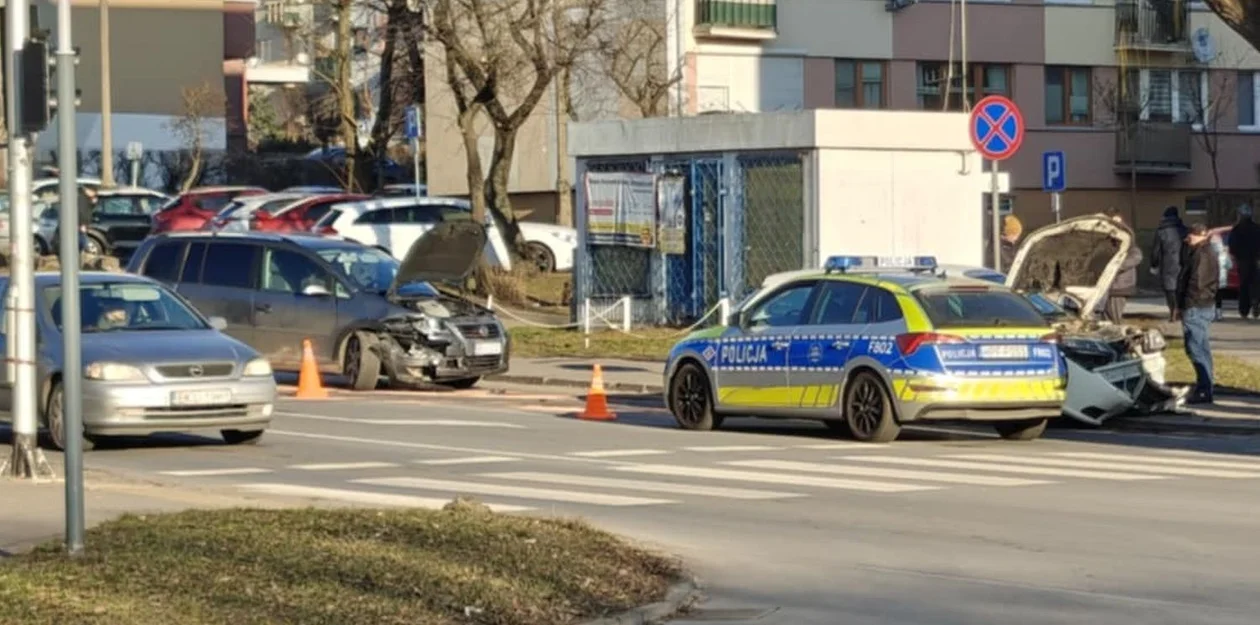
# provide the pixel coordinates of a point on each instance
(1125, 284)
(1166, 255)
(1244, 246)
(1196, 305)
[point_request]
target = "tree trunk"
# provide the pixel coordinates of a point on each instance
(1241, 15)
(476, 176)
(497, 198)
(345, 99)
(379, 141)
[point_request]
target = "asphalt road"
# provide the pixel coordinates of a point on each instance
(786, 523)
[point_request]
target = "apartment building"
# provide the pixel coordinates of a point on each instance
(1188, 96)
(156, 48)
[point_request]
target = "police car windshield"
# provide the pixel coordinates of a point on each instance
(955, 308)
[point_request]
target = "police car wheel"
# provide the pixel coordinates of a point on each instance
(690, 400)
(868, 410)
(1025, 430)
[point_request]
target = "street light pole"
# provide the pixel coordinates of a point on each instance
(72, 356)
(107, 125)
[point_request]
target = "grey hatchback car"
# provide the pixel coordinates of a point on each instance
(365, 313)
(151, 363)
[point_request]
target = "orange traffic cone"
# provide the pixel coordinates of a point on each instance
(309, 384)
(597, 399)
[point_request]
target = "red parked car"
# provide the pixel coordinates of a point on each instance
(191, 210)
(301, 215)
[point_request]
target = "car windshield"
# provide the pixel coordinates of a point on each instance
(370, 268)
(126, 307)
(960, 308)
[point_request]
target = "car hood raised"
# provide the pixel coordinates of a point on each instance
(1079, 257)
(159, 346)
(447, 252)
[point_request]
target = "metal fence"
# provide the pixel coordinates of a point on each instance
(745, 219)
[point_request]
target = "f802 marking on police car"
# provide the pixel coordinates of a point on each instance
(745, 354)
(881, 348)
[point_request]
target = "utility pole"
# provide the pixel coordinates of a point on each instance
(564, 197)
(26, 461)
(107, 106)
(71, 332)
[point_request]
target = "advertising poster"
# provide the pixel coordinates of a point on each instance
(670, 192)
(621, 209)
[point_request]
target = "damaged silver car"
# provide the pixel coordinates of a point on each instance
(1066, 271)
(365, 313)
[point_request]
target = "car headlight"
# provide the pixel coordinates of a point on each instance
(257, 367)
(112, 372)
(1153, 341)
(427, 325)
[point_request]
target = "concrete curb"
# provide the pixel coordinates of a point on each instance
(678, 598)
(571, 383)
(1188, 425)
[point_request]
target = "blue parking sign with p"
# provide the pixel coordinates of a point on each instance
(1053, 172)
(411, 122)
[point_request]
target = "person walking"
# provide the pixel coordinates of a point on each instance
(1244, 245)
(1166, 256)
(1012, 229)
(1196, 305)
(1125, 284)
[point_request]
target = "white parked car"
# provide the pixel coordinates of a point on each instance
(395, 223)
(236, 215)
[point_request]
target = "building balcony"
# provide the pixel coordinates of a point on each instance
(1153, 25)
(1153, 148)
(736, 19)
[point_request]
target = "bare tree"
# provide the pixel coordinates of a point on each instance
(1208, 104)
(631, 52)
(198, 104)
(1124, 104)
(500, 57)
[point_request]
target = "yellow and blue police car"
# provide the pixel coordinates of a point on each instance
(867, 344)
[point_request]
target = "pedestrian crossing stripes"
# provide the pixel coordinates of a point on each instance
(642, 477)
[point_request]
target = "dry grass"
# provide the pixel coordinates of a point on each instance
(645, 344)
(525, 286)
(461, 566)
(1230, 372)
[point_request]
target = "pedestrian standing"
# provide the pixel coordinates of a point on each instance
(1125, 284)
(1244, 245)
(1225, 261)
(1012, 229)
(1166, 256)
(1196, 304)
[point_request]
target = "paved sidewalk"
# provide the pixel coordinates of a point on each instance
(619, 375)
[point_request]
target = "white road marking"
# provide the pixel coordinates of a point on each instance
(471, 460)
(722, 448)
(1119, 466)
(342, 466)
(214, 472)
(1254, 465)
(443, 422)
(773, 478)
(476, 488)
(364, 497)
(897, 474)
(1002, 468)
(658, 487)
(827, 446)
(618, 453)
(380, 442)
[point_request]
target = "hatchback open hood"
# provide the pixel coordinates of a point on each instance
(447, 252)
(1079, 256)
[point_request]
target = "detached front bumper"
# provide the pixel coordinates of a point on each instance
(948, 398)
(419, 365)
(137, 409)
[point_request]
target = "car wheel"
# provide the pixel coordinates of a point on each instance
(94, 245)
(39, 248)
(360, 364)
(540, 256)
(1024, 430)
(55, 418)
(868, 409)
(690, 400)
(461, 383)
(241, 437)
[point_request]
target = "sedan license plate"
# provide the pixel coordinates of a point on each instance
(217, 397)
(487, 348)
(1004, 352)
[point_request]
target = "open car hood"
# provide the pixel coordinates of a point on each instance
(1079, 257)
(445, 253)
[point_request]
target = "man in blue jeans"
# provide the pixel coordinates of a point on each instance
(1196, 306)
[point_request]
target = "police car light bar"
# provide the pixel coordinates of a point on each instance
(910, 263)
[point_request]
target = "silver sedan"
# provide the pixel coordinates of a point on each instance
(151, 363)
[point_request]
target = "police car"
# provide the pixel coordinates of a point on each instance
(867, 344)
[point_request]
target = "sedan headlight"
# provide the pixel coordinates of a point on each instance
(113, 372)
(258, 367)
(427, 325)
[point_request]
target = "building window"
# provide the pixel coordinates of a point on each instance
(1167, 95)
(1248, 96)
(859, 84)
(982, 80)
(1006, 203)
(1069, 95)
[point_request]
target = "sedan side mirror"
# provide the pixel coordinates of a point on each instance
(218, 323)
(315, 290)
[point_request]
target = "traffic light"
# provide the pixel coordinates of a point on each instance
(36, 77)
